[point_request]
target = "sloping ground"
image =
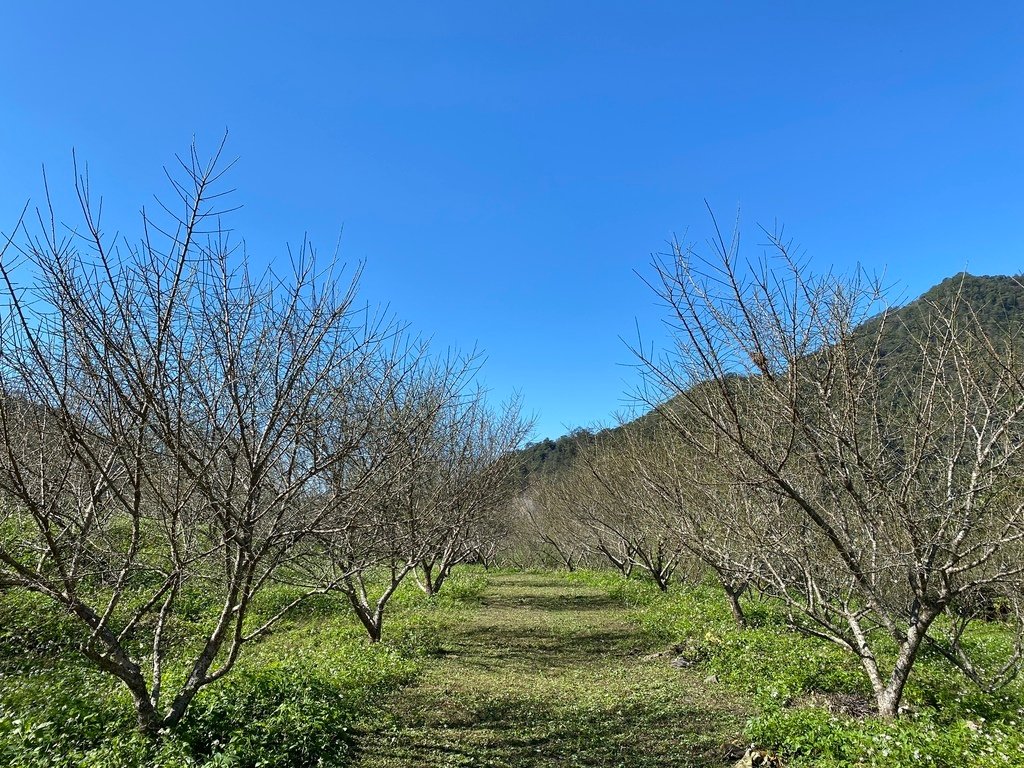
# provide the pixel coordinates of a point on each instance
(549, 672)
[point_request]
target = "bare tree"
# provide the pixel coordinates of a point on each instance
(370, 539)
(547, 515)
(892, 495)
(159, 404)
(433, 464)
(473, 476)
(714, 519)
(633, 527)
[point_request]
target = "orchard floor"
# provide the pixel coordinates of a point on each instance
(549, 672)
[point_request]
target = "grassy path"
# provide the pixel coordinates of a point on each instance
(548, 672)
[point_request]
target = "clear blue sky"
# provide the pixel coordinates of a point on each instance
(503, 167)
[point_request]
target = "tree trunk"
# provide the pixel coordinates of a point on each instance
(889, 696)
(147, 719)
(116, 662)
(442, 574)
(373, 625)
(733, 595)
(427, 584)
(372, 621)
(888, 702)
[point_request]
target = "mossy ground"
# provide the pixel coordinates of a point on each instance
(545, 672)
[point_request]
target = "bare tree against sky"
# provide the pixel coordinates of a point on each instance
(904, 487)
(159, 401)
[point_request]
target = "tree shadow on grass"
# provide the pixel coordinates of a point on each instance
(513, 730)
(549, 674)
(537, 648)
(551, 603)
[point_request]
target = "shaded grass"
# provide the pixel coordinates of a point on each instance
(549, 672)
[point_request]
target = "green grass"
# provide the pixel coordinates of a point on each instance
(291, 700)
(804, 689)
(503, 670)
(550, 672)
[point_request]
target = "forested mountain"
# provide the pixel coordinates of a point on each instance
(549, 456)
(997, 301)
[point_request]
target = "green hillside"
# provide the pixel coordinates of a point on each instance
(996, 300)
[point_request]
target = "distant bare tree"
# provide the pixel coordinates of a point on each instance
(473, 476)
(633, 526)
(368, 540)
(158, 404)
(416, 494)
(715, 520)
(892, 497)
(547, 514)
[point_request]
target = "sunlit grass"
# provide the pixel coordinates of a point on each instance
(550, 672)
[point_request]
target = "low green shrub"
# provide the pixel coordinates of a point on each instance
(814, 737)
(293, 711)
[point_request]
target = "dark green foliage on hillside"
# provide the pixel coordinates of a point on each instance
(996, 301)
(549, 457)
